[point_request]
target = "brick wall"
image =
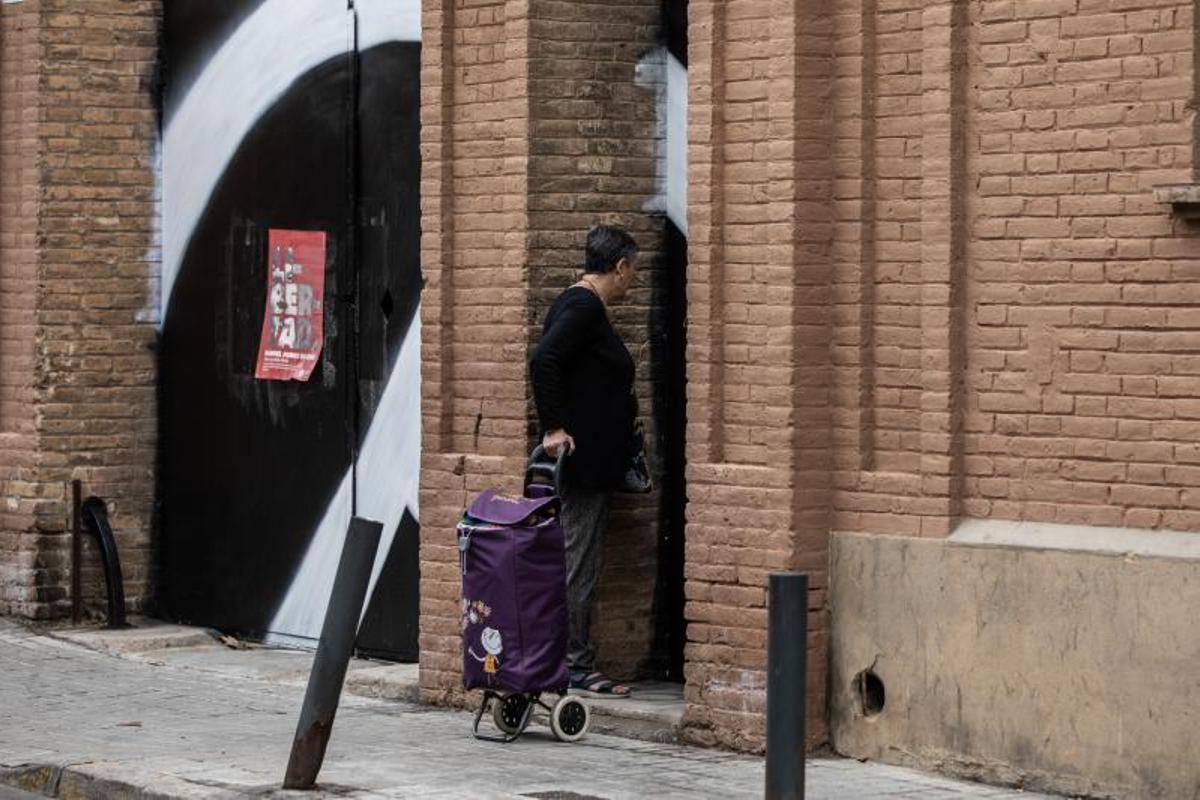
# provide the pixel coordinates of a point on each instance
(758, 347)
(899, 262)
(88, 126)
(1064, 390)
(19, 198)
(927, 280)
(1010, 332)
(474, 221)
(1084, 340)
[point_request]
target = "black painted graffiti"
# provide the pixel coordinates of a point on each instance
(256, 136)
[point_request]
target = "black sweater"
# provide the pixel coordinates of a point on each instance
(583, 383)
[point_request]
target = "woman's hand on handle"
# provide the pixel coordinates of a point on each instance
(554, 442)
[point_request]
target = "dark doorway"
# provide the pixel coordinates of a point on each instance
(670, 625)
(669, 363)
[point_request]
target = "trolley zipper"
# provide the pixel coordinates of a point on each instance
(464, 544)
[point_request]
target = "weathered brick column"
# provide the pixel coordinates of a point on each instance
(943, 67)
(20, 547)
(475, 223)
(78, 258)
(759, 346)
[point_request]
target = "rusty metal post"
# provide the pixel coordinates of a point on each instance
(76, 551)
(787, 668)
(94, 512)
(338, 633)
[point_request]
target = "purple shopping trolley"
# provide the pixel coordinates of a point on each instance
(514, 607)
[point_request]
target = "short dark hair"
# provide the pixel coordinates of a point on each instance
(606, 245)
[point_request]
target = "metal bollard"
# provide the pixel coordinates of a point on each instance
(338, 634)
(787, 672)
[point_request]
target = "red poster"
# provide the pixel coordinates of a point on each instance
(293, 329)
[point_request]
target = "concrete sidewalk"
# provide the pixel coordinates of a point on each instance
(81, 723)
(654, 713)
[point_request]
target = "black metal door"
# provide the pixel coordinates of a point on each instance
(254, 473)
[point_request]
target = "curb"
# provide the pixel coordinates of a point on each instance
(70, 783)
(103, 781)
(134, 640)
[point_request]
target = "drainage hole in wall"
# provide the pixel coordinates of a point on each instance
(870, 692)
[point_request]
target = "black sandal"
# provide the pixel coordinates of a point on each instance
(597, 684)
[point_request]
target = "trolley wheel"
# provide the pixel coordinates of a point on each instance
(569, 719)
(510, 713)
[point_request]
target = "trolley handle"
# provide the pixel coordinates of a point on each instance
(535, 465)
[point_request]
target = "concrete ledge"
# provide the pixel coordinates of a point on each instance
(398, 682)
(1184, 198)
(1080, 538)
(146, 635)
(1177, 193)
(653, 713)
(1065, 669)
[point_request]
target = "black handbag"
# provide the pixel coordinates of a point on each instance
(637, 474)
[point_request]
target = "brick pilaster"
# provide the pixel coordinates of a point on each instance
(474, 141)
(86, 96)
(942, 231)
(759, 342)
(21, 591)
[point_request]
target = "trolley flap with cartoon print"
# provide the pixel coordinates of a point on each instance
(514, 605)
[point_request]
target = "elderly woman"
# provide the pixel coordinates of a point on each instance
(583, 385)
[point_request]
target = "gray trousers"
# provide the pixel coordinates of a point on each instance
(585, 520)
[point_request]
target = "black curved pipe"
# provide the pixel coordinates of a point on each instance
(95, 517)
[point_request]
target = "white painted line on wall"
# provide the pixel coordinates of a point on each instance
(677, 143)
(272, 48)
(660, 71)
(389, 470)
